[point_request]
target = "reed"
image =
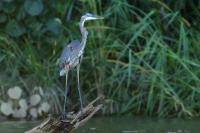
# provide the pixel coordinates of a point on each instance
(144, 56)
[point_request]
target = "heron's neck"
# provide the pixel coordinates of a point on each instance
(84, 33)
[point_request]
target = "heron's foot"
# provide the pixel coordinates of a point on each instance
(81, 110)
(63, 116)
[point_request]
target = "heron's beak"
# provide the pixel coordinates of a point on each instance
(94, 18)
(99, 17)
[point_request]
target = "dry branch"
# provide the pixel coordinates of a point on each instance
(72, 122)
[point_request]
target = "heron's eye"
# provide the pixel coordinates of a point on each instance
(89, 15)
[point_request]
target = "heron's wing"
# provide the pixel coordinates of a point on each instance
(70, 52)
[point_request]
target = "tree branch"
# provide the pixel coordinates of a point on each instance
(72, 122)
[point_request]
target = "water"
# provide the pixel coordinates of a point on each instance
(118, 125)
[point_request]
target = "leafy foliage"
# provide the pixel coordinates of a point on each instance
(144, 56)
(33, 7)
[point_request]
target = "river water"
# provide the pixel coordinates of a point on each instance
(118, 125)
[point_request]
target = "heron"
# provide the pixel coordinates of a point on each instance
(72, 55)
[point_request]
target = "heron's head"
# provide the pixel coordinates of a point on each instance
(89, 16)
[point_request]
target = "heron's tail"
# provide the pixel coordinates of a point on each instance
(62, 72)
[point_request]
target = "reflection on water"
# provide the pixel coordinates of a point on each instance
(118, 125)
(16, 126)
(140, 125)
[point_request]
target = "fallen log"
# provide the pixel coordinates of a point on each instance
(72, 121)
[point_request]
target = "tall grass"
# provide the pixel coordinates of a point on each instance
(144, 57)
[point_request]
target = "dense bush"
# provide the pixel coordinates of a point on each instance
(144, 56)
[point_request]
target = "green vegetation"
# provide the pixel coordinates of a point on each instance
(144, 56)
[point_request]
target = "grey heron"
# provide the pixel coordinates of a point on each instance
(72, 55)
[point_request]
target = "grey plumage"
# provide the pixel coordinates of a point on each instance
(74, 51)
(72, 54)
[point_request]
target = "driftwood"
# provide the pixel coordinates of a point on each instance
(72, 121)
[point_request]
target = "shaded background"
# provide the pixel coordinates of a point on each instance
(144, 56)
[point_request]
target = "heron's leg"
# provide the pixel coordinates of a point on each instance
(66, 89)
(79, 90)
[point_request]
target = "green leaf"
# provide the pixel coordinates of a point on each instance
(8, 0)
(3, 18)
(33, 7)
(54, 25)
(34, 26)
(14, 29)
(2, 58)
(1, 6)
(21, 14)
(8, 7)
(52, 3)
